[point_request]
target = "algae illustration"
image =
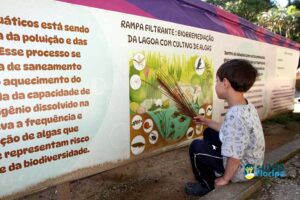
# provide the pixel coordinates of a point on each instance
(155, 120)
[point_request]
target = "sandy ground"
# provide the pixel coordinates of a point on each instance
(158, 177)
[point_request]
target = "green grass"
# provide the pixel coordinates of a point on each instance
(284, 118)
(181, 67)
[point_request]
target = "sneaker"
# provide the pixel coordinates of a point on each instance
(195, 189)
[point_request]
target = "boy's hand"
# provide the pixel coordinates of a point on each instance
(201, 120)
(220, 182)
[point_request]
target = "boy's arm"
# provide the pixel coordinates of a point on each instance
(208, 122)
(231, 167)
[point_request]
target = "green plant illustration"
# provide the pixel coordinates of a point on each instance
(170, 123)
(148, 99)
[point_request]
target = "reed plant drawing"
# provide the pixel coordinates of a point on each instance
(170, 94)
(170, 88)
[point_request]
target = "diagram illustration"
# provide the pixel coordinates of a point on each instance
(155, 121)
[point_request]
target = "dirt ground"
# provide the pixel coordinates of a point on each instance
(286, 188)
(158, 177)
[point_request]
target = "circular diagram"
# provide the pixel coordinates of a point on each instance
(137, 122)
(190, 133)
(209, 110)
(202, 112)
(153, 137)
(138, 145)
(139, 61)
(135, 82)
(148, 125)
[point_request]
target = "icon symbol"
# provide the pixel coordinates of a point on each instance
(138, 145)
(135, 82)
(137, 122)
(199, 66)
(139, 61)
(249, 171)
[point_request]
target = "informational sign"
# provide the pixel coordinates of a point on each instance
(79, 92)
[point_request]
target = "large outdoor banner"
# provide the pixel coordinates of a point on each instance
(78, 87)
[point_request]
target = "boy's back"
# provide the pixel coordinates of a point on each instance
(242, 138)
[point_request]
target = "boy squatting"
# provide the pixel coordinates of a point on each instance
(226, 148)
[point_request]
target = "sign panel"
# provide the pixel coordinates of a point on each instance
(79, 91)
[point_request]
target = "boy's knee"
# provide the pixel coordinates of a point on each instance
(197, 146)
(195, 143)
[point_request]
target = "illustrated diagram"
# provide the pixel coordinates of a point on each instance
(155, 120)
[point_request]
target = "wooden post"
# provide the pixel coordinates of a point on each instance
(63, 191)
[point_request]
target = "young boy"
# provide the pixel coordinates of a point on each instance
(226, 148)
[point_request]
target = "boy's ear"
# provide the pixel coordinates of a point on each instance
(226, 83)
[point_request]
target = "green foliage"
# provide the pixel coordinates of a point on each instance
(181, 67)
(138, 95)
(294, 3)
(178, 73)
(195, 80)
(219, 3)
(171, 124)
(171, 70)
(284, 118)
(207, 79)
(283, 21)
(151, 87)
(247, 9)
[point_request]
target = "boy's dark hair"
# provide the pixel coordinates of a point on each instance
(240, 73)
